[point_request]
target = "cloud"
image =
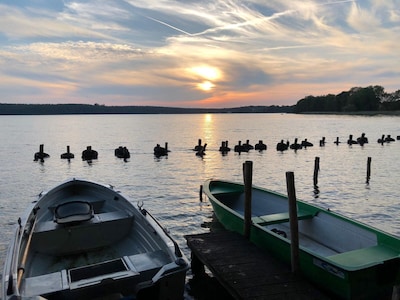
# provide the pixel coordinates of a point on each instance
(140, 52)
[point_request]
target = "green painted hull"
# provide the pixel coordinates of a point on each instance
(340, 273)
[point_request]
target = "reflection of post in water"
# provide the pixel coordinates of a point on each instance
(316, 170)
(316, 191)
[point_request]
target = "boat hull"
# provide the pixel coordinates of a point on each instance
(85, 240)
(326, 268)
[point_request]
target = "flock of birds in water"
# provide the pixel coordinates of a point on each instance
(122, 152)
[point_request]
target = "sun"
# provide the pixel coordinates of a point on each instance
(206, 85)
(208, 76)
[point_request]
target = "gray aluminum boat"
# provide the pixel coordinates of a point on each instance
(84, 240)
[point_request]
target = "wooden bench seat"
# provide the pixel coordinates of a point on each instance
(280, 217)
(102, 230)
(365, 257)
(64, 281)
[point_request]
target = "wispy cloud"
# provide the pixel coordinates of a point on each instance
(144, 52)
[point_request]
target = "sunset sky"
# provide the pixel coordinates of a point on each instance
(220, 53)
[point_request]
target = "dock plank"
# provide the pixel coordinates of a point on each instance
(246, 271)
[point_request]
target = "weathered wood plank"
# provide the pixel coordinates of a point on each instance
(247, 272)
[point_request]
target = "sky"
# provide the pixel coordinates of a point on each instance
(194, 53)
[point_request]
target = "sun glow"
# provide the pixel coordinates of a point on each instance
(208, 74)
(206, 85)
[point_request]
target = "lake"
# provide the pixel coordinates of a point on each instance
(169, 186)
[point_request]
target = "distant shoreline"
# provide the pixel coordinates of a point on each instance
(76, 109)
(87, 109)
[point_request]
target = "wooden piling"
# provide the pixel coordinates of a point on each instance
(294, 227)
(40, 155)
(316, 170)
(382, 139)
(368, 169)
(201, 193)
(248, 182)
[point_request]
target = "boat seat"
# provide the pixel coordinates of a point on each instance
(45, 284)
(78, 278)
(102, 230)
(73, 212)
(97, 205)
(280, 217)
(149, 261)
(362, 258)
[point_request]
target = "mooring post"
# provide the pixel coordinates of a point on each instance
(368, 169)
(316, 169)
(201, 193)
(248, 182)
(294, 227)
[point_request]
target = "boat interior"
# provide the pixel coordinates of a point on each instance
(78, 245)
(339, 240)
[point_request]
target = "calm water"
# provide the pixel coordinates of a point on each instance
(169, 187)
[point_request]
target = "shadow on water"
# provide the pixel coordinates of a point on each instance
(205, 287)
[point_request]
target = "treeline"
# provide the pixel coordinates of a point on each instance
(357, 99)
(65, 109)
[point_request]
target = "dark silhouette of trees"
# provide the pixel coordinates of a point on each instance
(371, 98)
(357, 99)
(391, 101)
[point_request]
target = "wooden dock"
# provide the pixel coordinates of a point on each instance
(244, 270)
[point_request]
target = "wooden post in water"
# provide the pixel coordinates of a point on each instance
(316, 169)
(368, 169)
(201, 193)
(248, 182)
(294, 227)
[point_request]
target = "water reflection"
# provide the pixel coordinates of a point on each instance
(169, 184)
(316, 192)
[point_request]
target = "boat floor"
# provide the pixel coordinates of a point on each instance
(304, 241)
(93, 268)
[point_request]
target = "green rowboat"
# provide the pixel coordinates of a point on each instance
(349, 259)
